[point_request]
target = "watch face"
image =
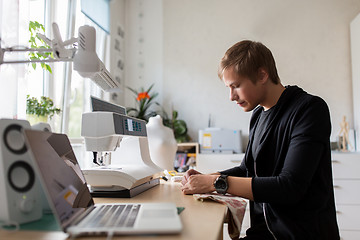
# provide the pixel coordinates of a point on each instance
(221, 184)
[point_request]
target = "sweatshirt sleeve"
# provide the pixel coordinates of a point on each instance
(304, 160)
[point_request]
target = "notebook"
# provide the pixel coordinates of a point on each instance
(72, 204)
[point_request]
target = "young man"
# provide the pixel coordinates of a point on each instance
(286, 172)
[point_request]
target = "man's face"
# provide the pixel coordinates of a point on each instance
(247, 94)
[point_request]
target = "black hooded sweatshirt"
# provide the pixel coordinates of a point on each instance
(291, 173)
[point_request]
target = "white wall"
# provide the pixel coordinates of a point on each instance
(310, 41)
(144, 47)
(117, 46)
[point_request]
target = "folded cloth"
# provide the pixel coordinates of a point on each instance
(236, 210)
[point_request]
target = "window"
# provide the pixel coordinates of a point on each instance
(66, 87)
(81, 88)
(18, 80)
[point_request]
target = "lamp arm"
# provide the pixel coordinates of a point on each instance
(86, 61)
(12, 49)
(25, 49)
(36, 61)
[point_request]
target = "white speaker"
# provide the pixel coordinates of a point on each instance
(20, 189)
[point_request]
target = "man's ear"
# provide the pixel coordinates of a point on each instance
(263, 75)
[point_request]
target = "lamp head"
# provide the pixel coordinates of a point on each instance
(86, 61)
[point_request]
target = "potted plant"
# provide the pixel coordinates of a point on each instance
(40, 110)
(143, 99)
(178, 126)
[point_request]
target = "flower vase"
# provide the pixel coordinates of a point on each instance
(162, 143)
(34, 119)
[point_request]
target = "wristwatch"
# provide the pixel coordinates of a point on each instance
(221, 184)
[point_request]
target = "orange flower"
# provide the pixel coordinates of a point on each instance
(142, 95)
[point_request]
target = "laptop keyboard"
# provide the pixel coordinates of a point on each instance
(123, 215)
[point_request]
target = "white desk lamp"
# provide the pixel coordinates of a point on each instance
(86, 61)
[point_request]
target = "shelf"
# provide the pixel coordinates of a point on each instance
(187, 146)
(186, 156)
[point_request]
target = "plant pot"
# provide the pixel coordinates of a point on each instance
(34, 119)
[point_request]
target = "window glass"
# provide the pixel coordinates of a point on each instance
(18, 80)
(58, 12)
(82, 89)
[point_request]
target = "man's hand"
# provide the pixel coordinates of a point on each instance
(186, 176)
(198, 183)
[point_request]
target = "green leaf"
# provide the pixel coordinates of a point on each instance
(152, 97)
(134, 91)
(174, 115)
(31, 25)
(180, 127)
(48, 68)
(150, 88)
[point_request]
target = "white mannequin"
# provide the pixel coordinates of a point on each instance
(162, 143)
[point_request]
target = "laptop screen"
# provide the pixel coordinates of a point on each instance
(61, 175)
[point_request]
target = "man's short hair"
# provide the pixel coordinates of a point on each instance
(247, 57)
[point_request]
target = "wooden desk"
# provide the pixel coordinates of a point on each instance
(201, 220)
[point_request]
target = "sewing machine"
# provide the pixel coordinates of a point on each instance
(121, 152)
